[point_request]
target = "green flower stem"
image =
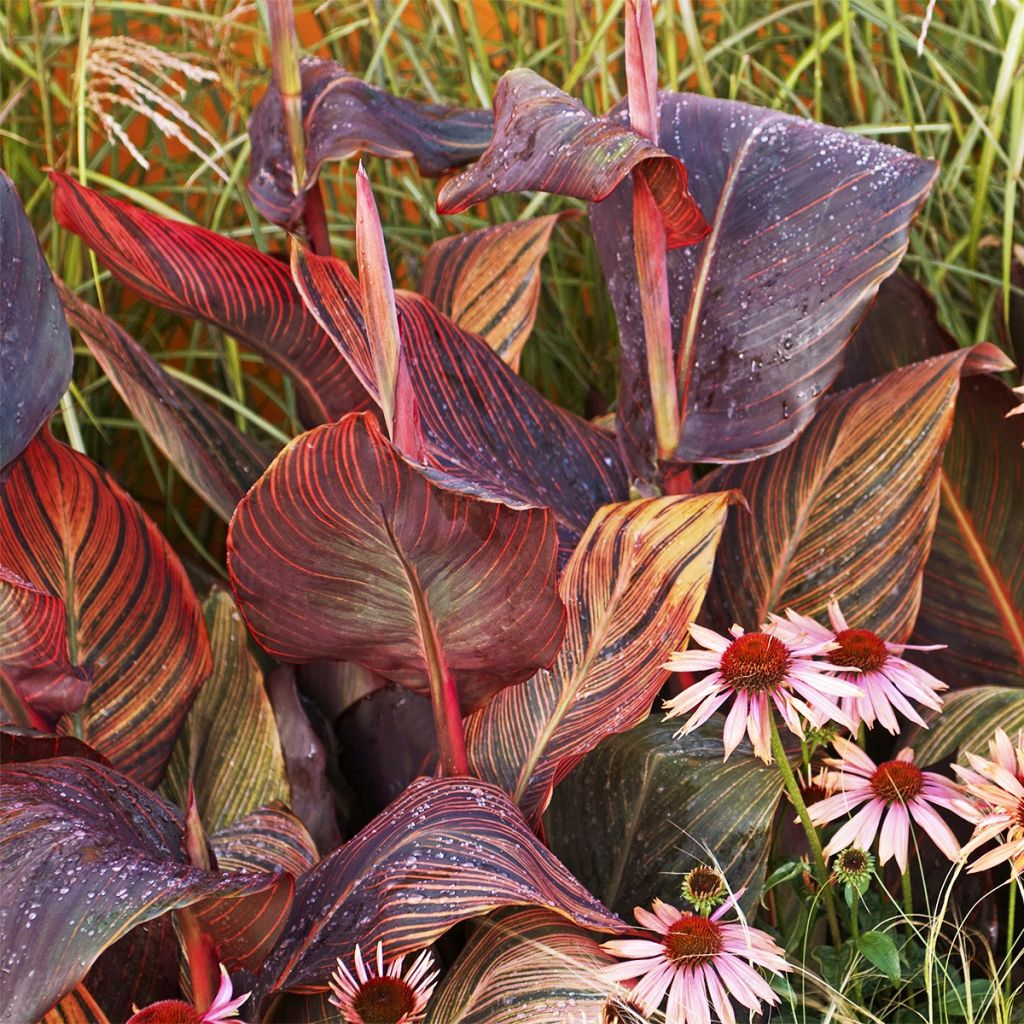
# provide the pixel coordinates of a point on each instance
(1011, 914)
(820, 870)
(908, 902)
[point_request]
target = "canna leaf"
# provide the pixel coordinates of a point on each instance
(806, 221)
(133, 620)
(35, 347)
(488, 281)
(219, 462)
(968, 720)
(344, 551)
(631, 589)
(488, 433)
(524, 965)
(547, 141)
(19, 744)
(848, 510)
(668, 804)
(197, 273)
(345, 116)
(229, 748)
(90, 855)
(446, 850)
(266, 839)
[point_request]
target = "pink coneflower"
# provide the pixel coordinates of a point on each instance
(753, 667)
(995, 786)
(896, 789)
(176, 1011)
(698, 961)
(383, 995)
(888, 683)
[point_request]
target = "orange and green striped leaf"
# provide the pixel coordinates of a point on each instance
(445, 851)
(133, 620)
(229, 747)
(266, 839)
(35, 347)
(546, 141)
(90, 855)
(525, 965)
(488, 281)
(77, 1007)
(343, 117)
(344, 551)
(848, 510)
(631, 590)
(968, 720)
(199, 274)
(219, 462)
(487, 431)
(806, 221)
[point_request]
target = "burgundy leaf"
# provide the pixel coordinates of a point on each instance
(19, 744)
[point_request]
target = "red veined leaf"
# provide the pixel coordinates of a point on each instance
(77, 1007)
(34, 650)
(547, 141)
(641, 68)
(668, 803)
(133, 619)
(200, 274)
(35, 347)
(446, 850)
(289, 1008)
(345, 116)
(90, 854)
(525, 965)
(806, 221)
(488, 281)
(344, 551)
(967, 722)
(850, 504)
(264, 840)
(219, 462)
(229, 747)
(18, 744)
(487, 431)
(631, 590)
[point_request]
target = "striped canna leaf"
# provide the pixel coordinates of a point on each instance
(133, 620)
(344, 551)
(218, 460)
(446, 850)
(547, 141)
(487, 431)
(848, 511)
(631, 589)
(266, 839)
(77, 1007)
(525, 965)
(200, 274)
(806, 221)
(968, 720)
(488, 281)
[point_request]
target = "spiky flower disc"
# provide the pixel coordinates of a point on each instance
(704, 888)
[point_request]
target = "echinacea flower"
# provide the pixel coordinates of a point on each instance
(699, 961)
(995, 786)
(755, 668)
(704, 888)
(175, 1011)
(383, 995)
(888, 683)
(897, 790)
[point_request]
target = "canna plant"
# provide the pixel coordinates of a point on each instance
(490, 595)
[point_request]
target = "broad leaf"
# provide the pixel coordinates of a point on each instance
(666, 804)
(968, 721)
(77, 1007)
(344, 116)
(218, 460)
(344, 551)
(631, 590)
(35, 347)
(90, 855)
(19, 744)
(229, 747)
(488, 281)
(446, 850)
(848, 510)
(266, 839)
(133, 619)
(547, 141)
(806, 221)
(524, 965)
(488, 432)
(197, 273)
(34, 649)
